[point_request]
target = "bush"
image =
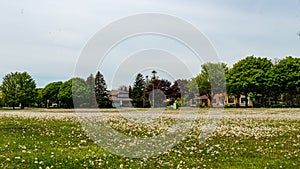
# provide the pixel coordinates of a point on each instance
(277, 105)
(230, 105)
(237, 105)
(202, 105)
(178, 103)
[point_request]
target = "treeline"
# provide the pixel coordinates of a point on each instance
(155, 92)
(19, 90)
(266, 83)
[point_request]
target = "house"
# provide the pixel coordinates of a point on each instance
(199, 101)
(120, 98)
(221, 99)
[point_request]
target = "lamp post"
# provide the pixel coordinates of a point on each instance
(153, 72)
(153, 96)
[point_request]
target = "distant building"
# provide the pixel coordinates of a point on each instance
(199, 101)
(120, 98)
(221, 99)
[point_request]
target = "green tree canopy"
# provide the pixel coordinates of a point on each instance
(39, 98)
(248, 75)
(91, 83)
(18, 88)
(74, 92)
(284, 78)
(101, 93)
(81, 92)
(162, 90)
(210, 81)
(138, 89)
(65, 94)
(50, 92)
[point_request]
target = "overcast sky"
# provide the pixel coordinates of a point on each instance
(45, 38)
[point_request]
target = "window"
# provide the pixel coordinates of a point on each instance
(231, 100)
(214, 100)
(243, 100)
(222, 101)
(123, 95)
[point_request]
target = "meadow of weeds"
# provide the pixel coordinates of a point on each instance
(243, 138)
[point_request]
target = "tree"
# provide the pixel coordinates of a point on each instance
(18, 88)
(137, 94)
(1, 99)
(39, 98)
(284, 78)
(210, 81)
(162, 90)
(215, 73)
(65, 94)
(50, 92)
(91, 83)
(123, 88)
(74, 92)
(102, 96)
(248, 75)
(200, 84)
(129, 91)
(81, 92)
(183, 86)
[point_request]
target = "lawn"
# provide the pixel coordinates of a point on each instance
(243, 138)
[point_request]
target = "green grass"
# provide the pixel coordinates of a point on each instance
(35, 143)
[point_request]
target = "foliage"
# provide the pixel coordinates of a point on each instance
(65, 94)
(162, 89)
(216, 76)
(185, 100)
(284, 78)
(129, 91)
(202, 84)
(90, 81)
(81, 92)
(50, 92)
(101, 93)
(1, 102)
(210, 81)
(18, 88)
(168, 91)
(39, 98)
(123, 88)
(138, 89)
(248, 75)
(178, 102)
(251, 96)
(182, 85)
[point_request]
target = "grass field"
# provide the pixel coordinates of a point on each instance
(244, 138)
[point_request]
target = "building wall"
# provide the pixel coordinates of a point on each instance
(220, 100)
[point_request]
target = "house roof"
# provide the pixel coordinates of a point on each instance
(114, 95)
(116, 92)
(203, 97)
(114, 98)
